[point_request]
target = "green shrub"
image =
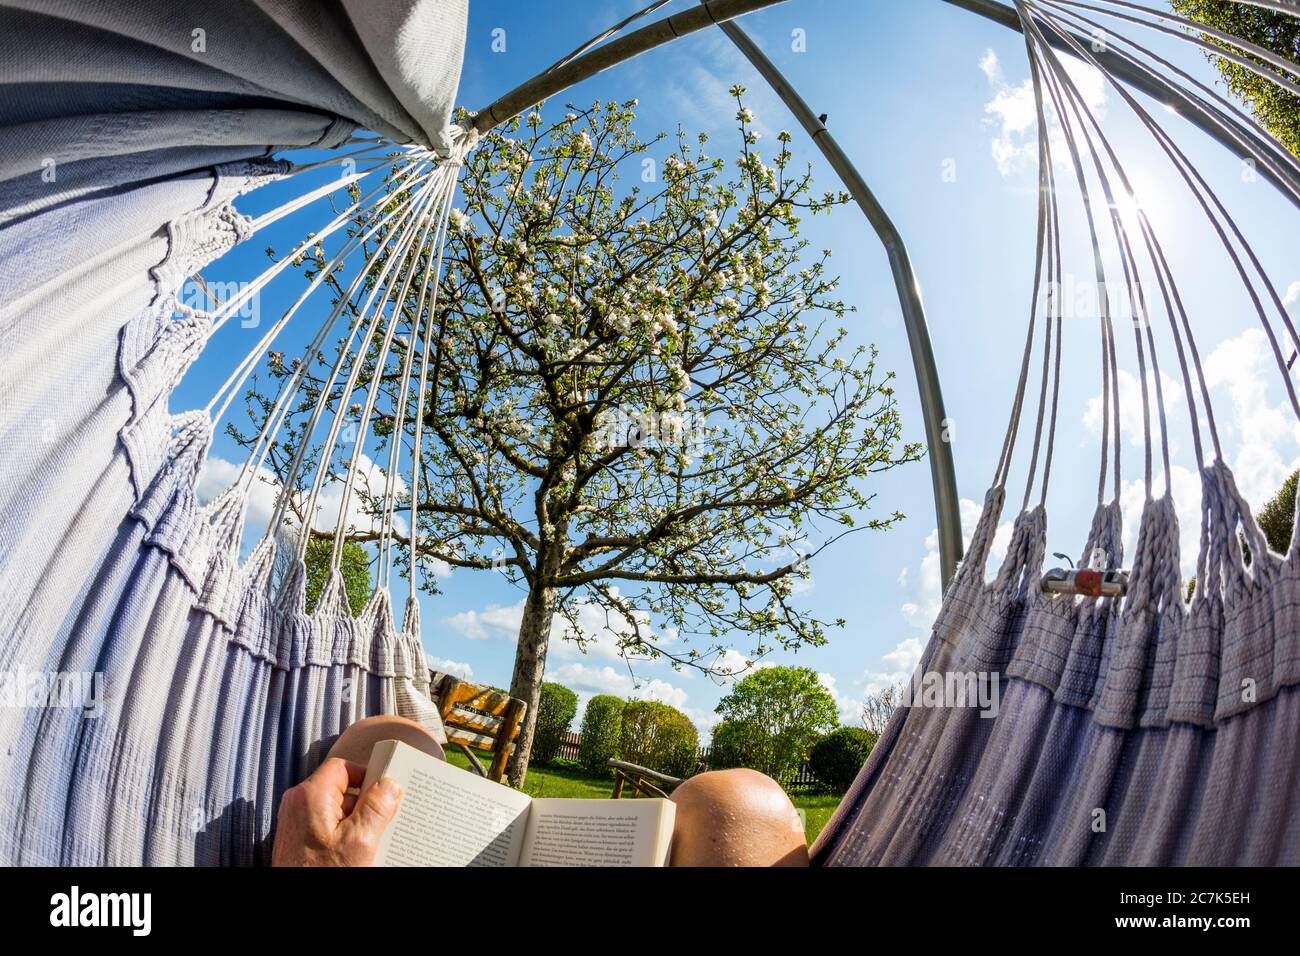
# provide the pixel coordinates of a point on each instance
(354, 565)
(555, 712)
(659, 737)
(602, 723)
(836, 759)
(784, 711)
(732, 745)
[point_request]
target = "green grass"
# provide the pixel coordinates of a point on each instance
(566, 782)
(817, 809)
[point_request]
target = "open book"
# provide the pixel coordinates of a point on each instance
(450, 817)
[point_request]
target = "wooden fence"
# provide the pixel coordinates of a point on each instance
(803, 780)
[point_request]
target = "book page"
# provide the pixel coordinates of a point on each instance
(598, 833)
(448, 816)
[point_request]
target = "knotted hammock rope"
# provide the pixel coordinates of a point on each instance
(1143, 729)
(214, 690)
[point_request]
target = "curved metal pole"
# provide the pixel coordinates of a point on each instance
(1122, 69)
(943, 477)
(614, 52)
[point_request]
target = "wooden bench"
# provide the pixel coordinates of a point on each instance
(478, 718)
(641, 778)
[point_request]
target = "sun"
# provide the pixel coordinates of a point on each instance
(1146, 197)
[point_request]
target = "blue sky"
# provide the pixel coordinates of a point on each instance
(916, 92)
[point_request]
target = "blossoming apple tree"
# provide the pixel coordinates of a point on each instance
(641, 400)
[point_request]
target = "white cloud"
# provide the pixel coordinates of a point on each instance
(733, 663)
(1243, 367)
(588, 680)
(1259, 437)
(699, 91)
(849, 708)
(219, 474)
(1187, 506)
(604, 679)
(1013, 115)
(569, 665)
(1292, 294)
(601, 630)
(925, 592)
(495, 621)
(905, 655)
(900, 663)
(455, 668)
(1130, 408)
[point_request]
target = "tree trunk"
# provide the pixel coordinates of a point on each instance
(526, 682)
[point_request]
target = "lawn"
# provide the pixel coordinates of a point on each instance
(566, 782)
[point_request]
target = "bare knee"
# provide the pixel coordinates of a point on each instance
(736, 818)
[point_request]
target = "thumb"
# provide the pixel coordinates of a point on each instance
(375, 809)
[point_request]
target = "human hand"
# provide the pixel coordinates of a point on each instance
(321, 824)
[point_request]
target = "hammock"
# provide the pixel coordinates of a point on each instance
(121, 164)
(1142, 730)
(122, 157)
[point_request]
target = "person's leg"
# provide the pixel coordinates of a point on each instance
(736, 818)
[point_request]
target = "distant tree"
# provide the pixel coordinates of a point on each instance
(355, 568)
(1276, 109)
(836, 759)
(1277, 518)
(879, 707)
(732, 745)
(660, 737)
(602, 725)
(555, 713)
(783, 711)
(286, 556)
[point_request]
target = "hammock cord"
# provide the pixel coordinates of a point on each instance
(1219, 218)
(234, 384)
(429, 287)
(223, 314)
(1081, 111)
(271, 426)
(386, 284)
(1241, 127)
(407, 253)
(1192, 33)
(407, 211)
(1110, 441)
(1048, 225)
(378, 284)
(402, 396)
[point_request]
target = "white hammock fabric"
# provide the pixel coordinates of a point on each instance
(123, 147)
(1142, 730)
